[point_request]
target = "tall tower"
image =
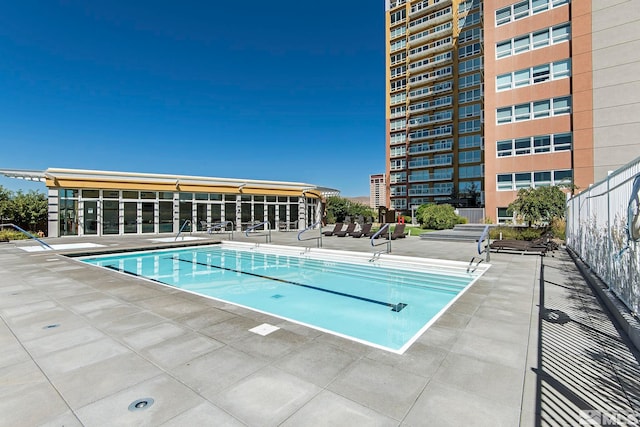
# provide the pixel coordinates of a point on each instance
(434, 108)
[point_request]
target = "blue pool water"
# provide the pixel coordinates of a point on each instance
(380, 306)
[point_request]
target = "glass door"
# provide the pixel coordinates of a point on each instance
(201, 216)
(147, 217)
(130, 217)
(271, 216)
(110, 222)
(90, 217)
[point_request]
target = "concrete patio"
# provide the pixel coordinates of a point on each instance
(528, 344)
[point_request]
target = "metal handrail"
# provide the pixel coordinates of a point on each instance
(26, 233)
(222, 226)
(268, 227)
(312, 226)
(486, 250)
(186, 221)
(387, 228)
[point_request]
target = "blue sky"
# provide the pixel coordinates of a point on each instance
(286, 90)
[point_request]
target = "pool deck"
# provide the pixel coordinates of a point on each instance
(528, 344)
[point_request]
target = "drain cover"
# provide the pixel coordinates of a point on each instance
(141, 404)
(277, 296)
(53, 325)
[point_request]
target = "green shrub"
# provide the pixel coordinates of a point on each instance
(516, 233)
(438, 217)
(6, 235)
(559, 228)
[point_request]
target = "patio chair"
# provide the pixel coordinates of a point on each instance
(350, 229)
(540, 246)
(337, 228)
(364, 232)
(398, 232)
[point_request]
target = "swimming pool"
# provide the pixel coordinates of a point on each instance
(385, 301)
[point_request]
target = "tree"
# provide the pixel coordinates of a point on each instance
(438, 217)
(339, 208)
(26, 210)
(539, 205)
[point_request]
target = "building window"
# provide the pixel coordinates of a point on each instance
(539, 39)
(538, 74)
(503, 217)
(538, 144)
(541, 109)
(470, 65)
(518, 180)
(524, 9)
(469, 156)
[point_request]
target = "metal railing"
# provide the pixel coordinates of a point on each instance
(221, 228)
(311, 227)
(186, 221)
(26, 233)
(252, 230)
(597, 231)
(387, 228)
(475, 261)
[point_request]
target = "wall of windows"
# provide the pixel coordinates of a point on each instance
(534, 110)
(518, 180)
(530, 76)
(536, 40)
(523, 9)
(538, 144)
(114, 212)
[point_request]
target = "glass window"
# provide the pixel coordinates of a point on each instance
(521, 77)
(523, 180)
(165, 195)
(165, 216)
(562, 141)
(542, 144)
(147, 195)
(542, 179)
(541, 73)
(129, 194)
(503, 82)
(561, 33)
(505, 182)
(202, 196)
(503, 216)
(504, 115)
(539, 5)
(230, 198)
(562, 105)
(503, 49)
(503, 15)
(186, 196)
(214, 196)
(90, 194)
(521, 44)
(540, 38)
(523, 146)
(110, 194)
(504, 148)
(541, 109)
(562, 69)
(522, 112)
(271, 199)
(562, 177)
(521, 10)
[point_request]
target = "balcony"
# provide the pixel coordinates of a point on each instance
(426, 23)
(446, 145)
(429, 51)
(430, 37)
(435, 4)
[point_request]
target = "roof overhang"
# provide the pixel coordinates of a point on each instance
(70, 178)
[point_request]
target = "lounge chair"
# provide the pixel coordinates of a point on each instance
(398, 232)
(350, 229)
(337, 228)
(540, 246)
(364, 232)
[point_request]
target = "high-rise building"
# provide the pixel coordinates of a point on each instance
(377, 190)
(519, 94)
(434, 101)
